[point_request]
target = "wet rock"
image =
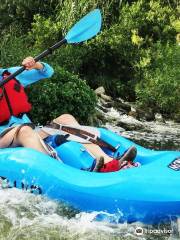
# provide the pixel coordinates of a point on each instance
(128, 126)
(140, 125)
(177, 117)
(104, 105)
(146, 114)
(133, 114)
(105, 97)
(100, 90)
(122, 106)
(111, 120)
(102, 108)
(159, 118)
(98, 119)
(108, 104)
(101, 101)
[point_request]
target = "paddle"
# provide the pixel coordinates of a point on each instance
(87, 133)
(83, 30)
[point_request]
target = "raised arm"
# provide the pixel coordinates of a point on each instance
(34, 72)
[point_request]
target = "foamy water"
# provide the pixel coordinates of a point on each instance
(26, 216)
(163, 135)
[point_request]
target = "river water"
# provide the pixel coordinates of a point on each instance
(24, 216)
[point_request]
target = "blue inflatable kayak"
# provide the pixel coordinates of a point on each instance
(147, 193)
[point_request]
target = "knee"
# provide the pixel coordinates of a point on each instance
(66, 119)
(25, 132)
(64, 116)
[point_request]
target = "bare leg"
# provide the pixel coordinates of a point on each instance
(92, 148)
(26, 138)
(97, 152)
(65, 119)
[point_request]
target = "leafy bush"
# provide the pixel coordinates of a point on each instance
(113, 68)
(116, 54)
(160, 86)
(64, 93)
(21, 12)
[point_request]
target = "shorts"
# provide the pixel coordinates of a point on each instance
(6, 130)
(3, 133)
(114, 166)
(111, 166)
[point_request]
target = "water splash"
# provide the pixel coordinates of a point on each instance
(24, 216)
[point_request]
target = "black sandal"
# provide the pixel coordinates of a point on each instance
(99, 164)
(129, 155)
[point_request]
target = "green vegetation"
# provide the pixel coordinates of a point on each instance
(64, 93)
(160, 88)
(136, 56)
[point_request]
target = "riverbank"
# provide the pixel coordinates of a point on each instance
(146, 128)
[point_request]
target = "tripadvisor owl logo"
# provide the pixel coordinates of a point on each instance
(138, 231)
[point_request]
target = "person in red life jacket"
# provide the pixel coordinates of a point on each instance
(104, 163)
(16, 128)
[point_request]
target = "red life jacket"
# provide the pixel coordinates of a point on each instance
(13, 99)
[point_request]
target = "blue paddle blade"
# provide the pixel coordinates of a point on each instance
(86, 28)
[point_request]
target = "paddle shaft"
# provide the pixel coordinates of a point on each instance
(37, 58)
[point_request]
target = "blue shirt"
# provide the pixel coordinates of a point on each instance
(26, 78)
(30, 76)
